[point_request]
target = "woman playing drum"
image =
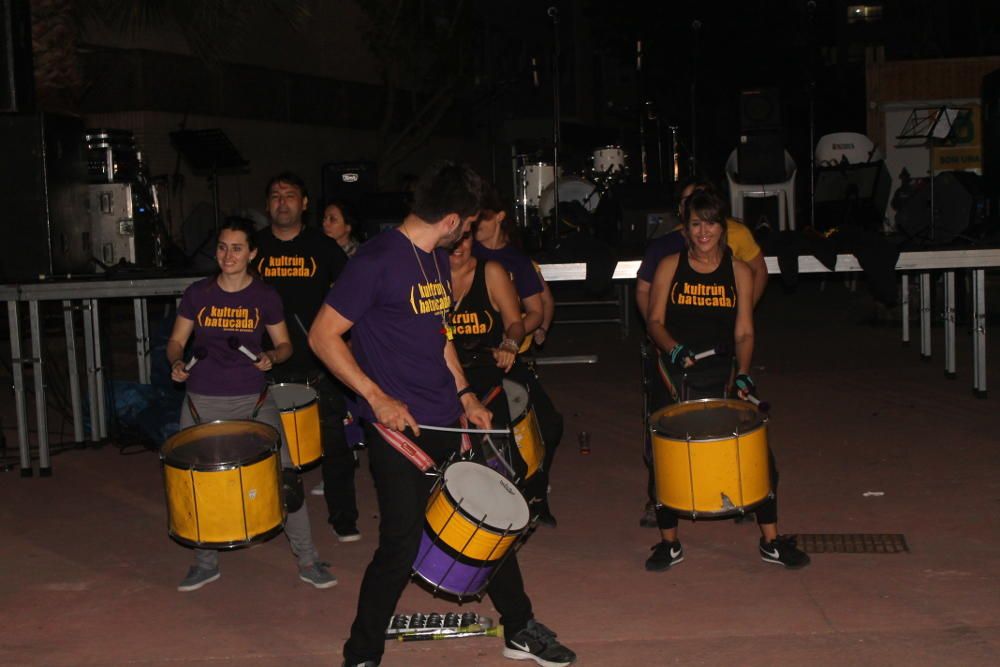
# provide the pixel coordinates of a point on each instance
(702, 299)
(228, 314)
(486, 322)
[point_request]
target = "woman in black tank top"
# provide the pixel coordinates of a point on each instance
(485, 318)
(700, 300)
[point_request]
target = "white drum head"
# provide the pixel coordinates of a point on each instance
(571, 188)
(517, 398)
(291, 397)
(486, 494)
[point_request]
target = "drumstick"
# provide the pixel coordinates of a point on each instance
(763, 406)
(493, 393)
(506, 465)
(467, 631)
(448, 429)
(199, 354)
(235, 344)
(718, 349)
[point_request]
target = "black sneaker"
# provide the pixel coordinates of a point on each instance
(648, 519)
(544, 514)
(665, 555)
(782, 551)
(346, 532)
(536, 642)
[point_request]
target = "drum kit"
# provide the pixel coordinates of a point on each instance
(535, 184)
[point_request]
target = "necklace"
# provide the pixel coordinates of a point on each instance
(446, 328)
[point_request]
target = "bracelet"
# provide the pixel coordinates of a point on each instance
(467, 390)
(510, 344)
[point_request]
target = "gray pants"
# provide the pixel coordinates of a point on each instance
(210, 408)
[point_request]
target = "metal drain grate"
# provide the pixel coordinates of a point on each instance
(852, 543)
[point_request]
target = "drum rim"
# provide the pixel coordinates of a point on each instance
(654, 426)
(295, 408)
(167, 459)
(456, 505)
(232, 544)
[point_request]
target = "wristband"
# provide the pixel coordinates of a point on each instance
(510, 344)
(467, 390)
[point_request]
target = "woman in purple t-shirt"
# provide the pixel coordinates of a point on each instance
(228, 314)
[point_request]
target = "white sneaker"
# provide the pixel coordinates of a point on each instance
(317, 490)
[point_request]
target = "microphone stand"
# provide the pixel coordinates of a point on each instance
(642, 112)
(810, 16)
(553, 13)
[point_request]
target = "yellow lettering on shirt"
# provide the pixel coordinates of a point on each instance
(283, 266)
(228, 318)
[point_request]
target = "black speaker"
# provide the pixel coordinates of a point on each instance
(760, 158)
(46, 221)
(17, 79)
(349, 182)
(760, 109)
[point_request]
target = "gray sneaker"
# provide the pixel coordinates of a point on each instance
(198, 577)
(318, 575)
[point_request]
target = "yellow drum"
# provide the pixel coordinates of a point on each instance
(473, 518)
(299, 406)
(524, 423)
(223, 484)
(710, 457)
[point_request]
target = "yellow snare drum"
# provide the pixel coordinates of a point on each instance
(710, 457)
(299, 406)
(524, 423)
(473, 518)
(223, 486)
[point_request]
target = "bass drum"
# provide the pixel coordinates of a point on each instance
(571, 189)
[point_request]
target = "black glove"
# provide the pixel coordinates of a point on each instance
(745, 383)
(678, 353)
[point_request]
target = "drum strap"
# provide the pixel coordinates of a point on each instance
(259, 403)
(412, 450)
(406, 447)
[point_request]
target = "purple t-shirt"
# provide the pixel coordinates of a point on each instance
(518, 265)
(668, 244)
(398, 338)
(218, 316)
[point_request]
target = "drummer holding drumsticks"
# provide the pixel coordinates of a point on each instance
(228, 314)
(394, 296)
(702, 299)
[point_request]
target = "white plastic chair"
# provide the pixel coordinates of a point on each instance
(784, 191)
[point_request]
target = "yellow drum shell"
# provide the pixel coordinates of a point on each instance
(222, 482)
(524, 424)
(473, 537)
(299, 407)
(710, 474)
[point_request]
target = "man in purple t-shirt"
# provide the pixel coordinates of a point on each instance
(394, 297)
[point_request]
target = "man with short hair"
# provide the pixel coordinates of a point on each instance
(302, 263)
(394, 298)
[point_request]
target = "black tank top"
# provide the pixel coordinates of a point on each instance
(701, 307)
(478, 326)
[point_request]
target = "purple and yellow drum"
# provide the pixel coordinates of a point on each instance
(474, 517)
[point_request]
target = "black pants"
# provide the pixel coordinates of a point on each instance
(549, 421)
(665, 387)
(402, 496)
(338, 458)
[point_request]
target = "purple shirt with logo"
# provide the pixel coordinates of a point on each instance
(518, 265)
(668, 244)
(218, 316)
(396, 295)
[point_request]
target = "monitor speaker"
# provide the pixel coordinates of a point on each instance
(349, 182)
(760, 109)
(760, 158)
(46, 220)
